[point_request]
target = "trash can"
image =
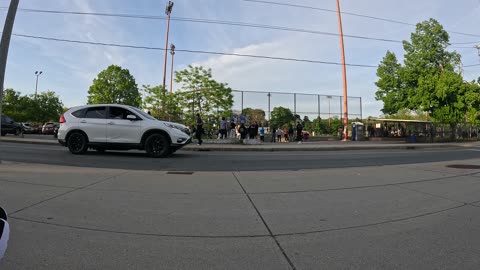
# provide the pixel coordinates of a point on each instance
(413, 138)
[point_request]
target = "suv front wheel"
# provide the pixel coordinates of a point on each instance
(157, 146)
(77, 143)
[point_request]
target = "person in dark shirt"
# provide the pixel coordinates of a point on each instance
(299, 132)
(198, 133)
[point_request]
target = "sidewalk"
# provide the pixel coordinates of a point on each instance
(281, 147)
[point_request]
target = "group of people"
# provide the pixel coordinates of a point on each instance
(252, 131)
(289, 134)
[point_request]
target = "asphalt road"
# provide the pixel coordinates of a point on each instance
(229, 161)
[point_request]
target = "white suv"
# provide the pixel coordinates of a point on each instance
(119, 127)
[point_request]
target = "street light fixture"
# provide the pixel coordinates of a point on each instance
(37, 73)
(168, 12)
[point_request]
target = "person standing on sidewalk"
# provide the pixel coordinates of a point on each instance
(198, 133)
(299, 132)
(291, 133)
(233, 131)
(262, 134)
(279, 134)
(223, 129)
(273, 130)
(256, 129)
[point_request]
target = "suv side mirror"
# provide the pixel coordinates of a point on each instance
(131, 117)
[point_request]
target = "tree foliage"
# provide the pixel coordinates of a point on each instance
(257, 115)
(114, 85)
(162, 105)
(202, 94)
(428, 80)
(46, 107)
(281, 116)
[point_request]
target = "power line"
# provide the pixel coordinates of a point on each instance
(199, 51)
(348, 13)
(206, 21)
(191, 51)
(221, 22)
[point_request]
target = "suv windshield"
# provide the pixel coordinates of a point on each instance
(142, 113)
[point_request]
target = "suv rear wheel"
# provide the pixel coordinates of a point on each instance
(157, 146)
(77, 143)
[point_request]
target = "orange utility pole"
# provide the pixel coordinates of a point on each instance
(344, 75)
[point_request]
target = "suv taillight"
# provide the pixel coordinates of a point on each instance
(62, 119)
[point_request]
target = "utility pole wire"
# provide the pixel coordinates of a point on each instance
(192, 51)
(221, 22)
(195, 51)
(348, 13)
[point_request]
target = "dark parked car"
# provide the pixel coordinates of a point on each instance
(27, 128)
(10, 127)
(48, 128)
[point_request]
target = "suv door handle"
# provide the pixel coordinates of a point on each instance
(111, 123)
(83, 121)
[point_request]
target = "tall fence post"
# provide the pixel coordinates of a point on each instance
(318, 100)
(241, 109)
(294, 103)
(361, 109)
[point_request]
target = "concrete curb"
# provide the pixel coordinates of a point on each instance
(317, 148)
(293, 148)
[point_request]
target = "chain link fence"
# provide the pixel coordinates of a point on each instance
(310, 105)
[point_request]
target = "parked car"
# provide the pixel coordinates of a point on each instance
(37, 129)
(9, 126)
(119, 127)
(27, 128)
(48, 128)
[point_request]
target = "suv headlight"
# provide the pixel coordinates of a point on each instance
(179, 127)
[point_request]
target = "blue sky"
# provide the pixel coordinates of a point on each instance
(70, 68)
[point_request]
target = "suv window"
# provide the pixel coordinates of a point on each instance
(119, 113)
(79, 113)
(96, 112)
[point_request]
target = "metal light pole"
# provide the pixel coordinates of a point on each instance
(329, 117)
(172, 52)
(344, 75)
(4, 46)
(269, 113)
(37, 73)
(168, 11)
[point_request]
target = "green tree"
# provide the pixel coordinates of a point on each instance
(15, 105)
(428, 80)
(389, 84)
(47, 107)
(257, 115)
(202, 94)
(281, 116)
(114, 85)
(162, 105)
